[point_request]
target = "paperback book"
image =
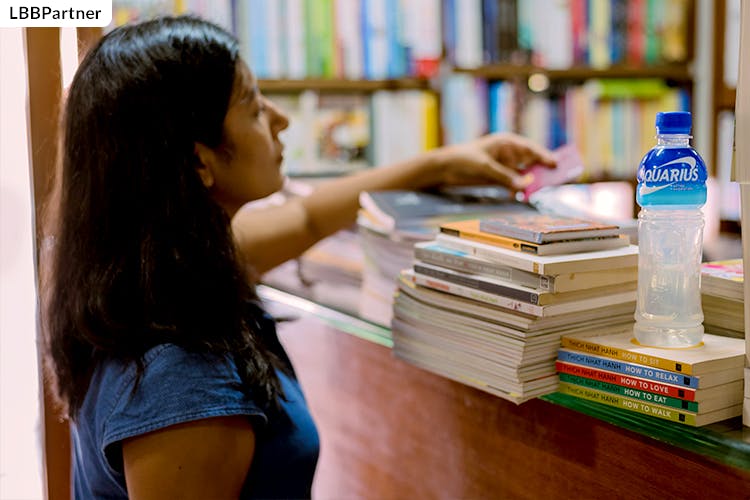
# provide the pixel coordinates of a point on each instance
(470, 230)
(598, 260)
(518, 292)
(649, 372)
(433, 252)
(724, 278)
(722, 391)
(646, 408)
(623, 297)
(544, 228)
(699, 407)
(715, 353)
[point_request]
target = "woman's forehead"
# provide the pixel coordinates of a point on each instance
(245, 84)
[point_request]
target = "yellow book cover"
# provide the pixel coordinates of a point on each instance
(715, 353)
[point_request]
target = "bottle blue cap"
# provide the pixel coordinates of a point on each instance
(674, 122)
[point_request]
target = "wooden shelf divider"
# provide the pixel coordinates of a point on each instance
(341, 85)
(677, 72)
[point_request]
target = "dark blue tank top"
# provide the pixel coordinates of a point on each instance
(178, 386)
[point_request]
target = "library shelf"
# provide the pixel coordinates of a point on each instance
(341, 85)
(677, 72)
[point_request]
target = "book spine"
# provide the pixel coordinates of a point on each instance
(653, 410)
(632, 369)
(584, 345)
(468, 264)
(478, 295)
(468, 281)
(629, 392)
(626, 381)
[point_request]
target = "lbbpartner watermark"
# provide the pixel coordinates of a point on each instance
(52, 13)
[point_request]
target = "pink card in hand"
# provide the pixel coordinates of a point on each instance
(569, 168)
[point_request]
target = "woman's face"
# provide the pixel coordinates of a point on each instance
(247, 166)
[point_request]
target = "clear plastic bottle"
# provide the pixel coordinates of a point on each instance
(671, 191)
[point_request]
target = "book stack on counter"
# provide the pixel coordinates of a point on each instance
(722, 297)
(694, 386)
(390, 223)
(489, 311)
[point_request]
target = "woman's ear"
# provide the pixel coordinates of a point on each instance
(207, 161)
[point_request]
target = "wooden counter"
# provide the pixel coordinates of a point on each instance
(391, 430)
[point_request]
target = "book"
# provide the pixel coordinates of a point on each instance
(520, 306)
(723, 278)
(655, 410)
(722, 391)
(469, 230)
(517, 292)
(523, 324)
(544, 228)
(401, 208)
(629, 392)
(732, 398)
(569, 168)
(432, 252)
(597, 260)
(715, 353)
(648, 372)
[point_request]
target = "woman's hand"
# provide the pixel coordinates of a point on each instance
(495, 158)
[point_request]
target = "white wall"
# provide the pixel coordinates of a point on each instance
(20, 415)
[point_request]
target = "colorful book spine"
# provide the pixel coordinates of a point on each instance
(626, 381)
(626, 368)
(586, 346)
(635, 405)
(629, 392)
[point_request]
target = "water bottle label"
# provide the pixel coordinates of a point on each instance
(671, 176)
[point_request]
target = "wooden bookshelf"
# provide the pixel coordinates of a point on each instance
(341, 85)
(677, 72)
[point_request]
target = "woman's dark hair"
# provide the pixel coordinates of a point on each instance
(142, 254)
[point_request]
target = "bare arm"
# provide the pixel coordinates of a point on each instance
(208, 458)
(274, 235)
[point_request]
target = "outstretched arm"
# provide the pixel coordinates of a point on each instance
(271, 236)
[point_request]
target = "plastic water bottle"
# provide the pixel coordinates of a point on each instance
(671, 190)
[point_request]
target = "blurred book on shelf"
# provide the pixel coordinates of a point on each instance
(352, 39)
(334, 134)
(722, 297)
(559, 35)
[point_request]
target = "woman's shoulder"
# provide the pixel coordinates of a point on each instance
(175, 386)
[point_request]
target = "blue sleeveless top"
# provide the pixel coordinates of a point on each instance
(179, 386)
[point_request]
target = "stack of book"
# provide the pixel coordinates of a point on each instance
(723, 297)
(392, 222)
(695, 386)
(491, 315)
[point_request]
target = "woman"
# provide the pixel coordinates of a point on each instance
(170, 371)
